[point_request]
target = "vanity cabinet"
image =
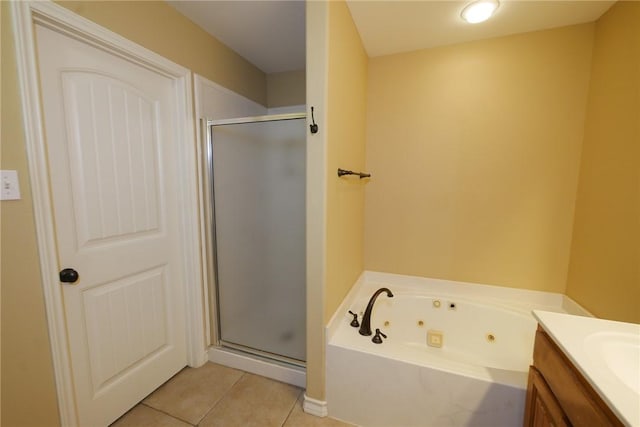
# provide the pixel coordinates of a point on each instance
(558, 394)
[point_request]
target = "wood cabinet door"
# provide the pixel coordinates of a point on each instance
(542, 409)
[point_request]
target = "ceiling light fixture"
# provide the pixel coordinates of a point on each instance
(479, 11)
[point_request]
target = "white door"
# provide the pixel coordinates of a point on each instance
(112, 140)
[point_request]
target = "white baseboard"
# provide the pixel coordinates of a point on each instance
(315, 407)
(200, 359)
(287, 374)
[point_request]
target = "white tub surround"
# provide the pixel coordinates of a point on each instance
(477, 377)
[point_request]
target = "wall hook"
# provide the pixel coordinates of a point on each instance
(313, 126)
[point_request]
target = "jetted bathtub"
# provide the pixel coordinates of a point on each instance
(457, 354)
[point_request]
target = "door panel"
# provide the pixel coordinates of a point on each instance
(112, 145)
(125, 323)
(111, 161)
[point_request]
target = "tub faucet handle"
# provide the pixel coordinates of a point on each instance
(376, 338)
(354, 322)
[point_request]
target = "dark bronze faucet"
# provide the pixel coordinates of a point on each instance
(365, 326)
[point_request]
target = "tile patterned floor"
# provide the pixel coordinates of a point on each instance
(216, 396)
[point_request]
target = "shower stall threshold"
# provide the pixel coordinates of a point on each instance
(279, 371)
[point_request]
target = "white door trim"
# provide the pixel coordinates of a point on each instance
(24, 15)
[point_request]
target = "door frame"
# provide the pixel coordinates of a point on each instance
(24, 15)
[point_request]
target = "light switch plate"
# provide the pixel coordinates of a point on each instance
(9, 186)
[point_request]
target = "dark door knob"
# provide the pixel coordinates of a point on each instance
(69, 275)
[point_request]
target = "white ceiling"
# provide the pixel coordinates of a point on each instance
(388, 27)
(271, 34)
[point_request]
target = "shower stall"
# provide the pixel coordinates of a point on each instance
(255, 205)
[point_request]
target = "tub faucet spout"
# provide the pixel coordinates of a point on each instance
(365, 326)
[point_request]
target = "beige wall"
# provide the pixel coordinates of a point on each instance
(27, 373)
(286, 88)
(317, 41)
(474, 150)
(336, 87)
(162, 29)
(346, 124)
(604, 273)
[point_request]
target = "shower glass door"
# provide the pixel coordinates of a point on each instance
(258, 173)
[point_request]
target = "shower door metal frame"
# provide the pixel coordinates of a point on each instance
(210, 235)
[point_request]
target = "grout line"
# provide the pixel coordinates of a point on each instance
(225, 394)
(295, 402)
(165, 413)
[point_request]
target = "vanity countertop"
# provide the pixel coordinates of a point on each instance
(606, 352)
